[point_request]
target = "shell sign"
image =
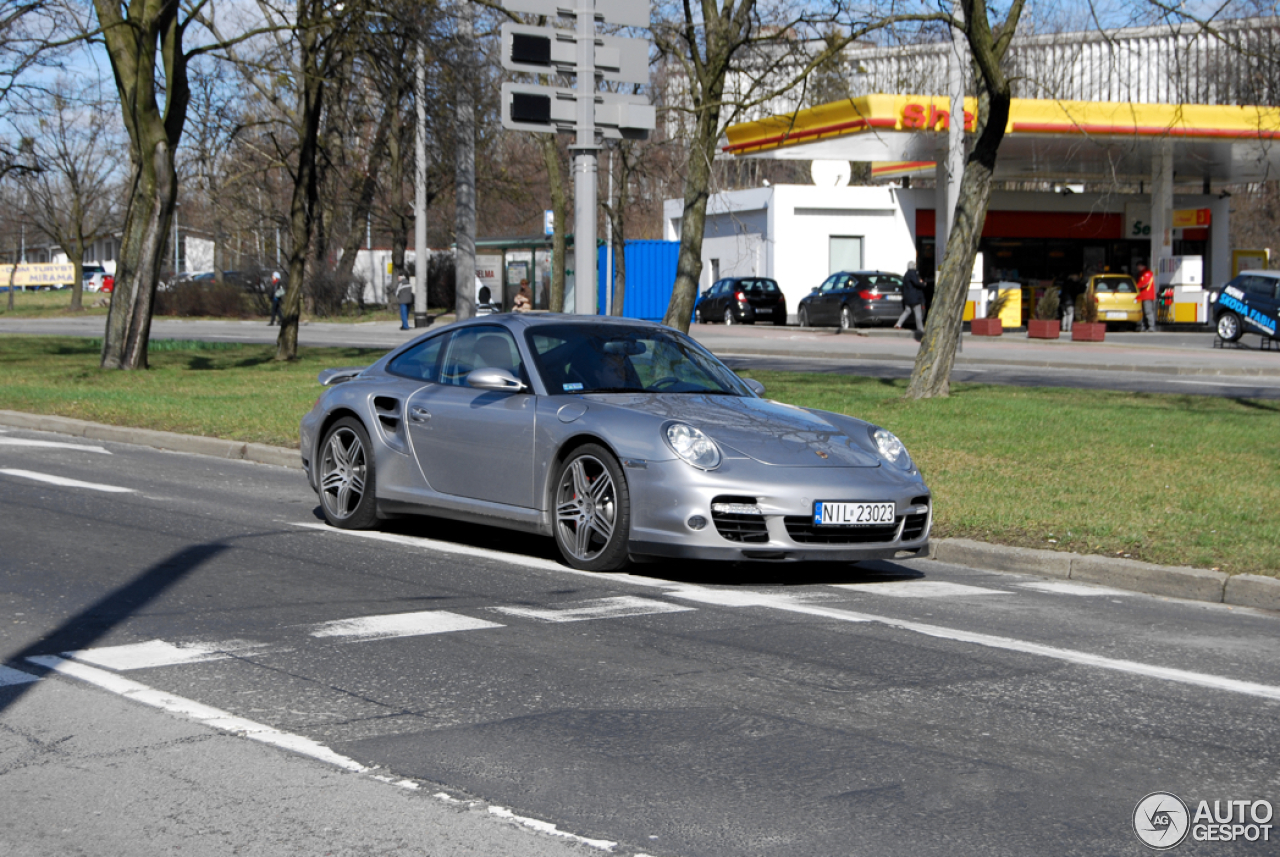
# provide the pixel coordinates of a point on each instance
(920, 117)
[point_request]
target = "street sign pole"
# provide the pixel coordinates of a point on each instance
(584, 167)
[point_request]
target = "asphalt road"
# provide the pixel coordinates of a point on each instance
(893, 708)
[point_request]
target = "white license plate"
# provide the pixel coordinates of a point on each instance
(893, 299)
(828, 514)
(1114, 314)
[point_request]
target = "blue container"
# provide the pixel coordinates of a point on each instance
(651, 276)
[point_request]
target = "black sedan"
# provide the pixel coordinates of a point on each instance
(742, 300)
(853, 298)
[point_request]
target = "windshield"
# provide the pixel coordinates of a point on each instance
(606, 358)
(758, 287)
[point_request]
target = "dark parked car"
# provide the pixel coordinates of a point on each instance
(852, 298)
(742, 300)
(1250, 303)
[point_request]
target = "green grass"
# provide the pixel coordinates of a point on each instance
(50, 304)
(1178, 480)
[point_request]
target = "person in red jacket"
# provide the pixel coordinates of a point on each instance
(1147, 299)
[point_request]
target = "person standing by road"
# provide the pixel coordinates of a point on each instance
(913, 297)
(1072, 289)
(277, 300)
(404, 297)
(1147, 298)
(524, 298)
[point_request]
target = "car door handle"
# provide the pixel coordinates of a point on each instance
(419, 415)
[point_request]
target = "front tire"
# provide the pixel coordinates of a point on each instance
(697, 316)
(593, 510)
(846, 318)
(346, 477)
(1229, 328)
(803, 317)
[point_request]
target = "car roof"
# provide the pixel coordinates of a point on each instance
(1274, 275)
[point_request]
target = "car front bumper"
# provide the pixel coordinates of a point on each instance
(668, 497)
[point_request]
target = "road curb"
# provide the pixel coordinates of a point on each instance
(259, 453)
(1194, 584)
(1197, 584)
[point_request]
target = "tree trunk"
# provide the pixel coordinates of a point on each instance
(465, 183)
(142, 250)
(694, 220)
(303, 204)
(368, 186)
(932, 373)
(152, 33)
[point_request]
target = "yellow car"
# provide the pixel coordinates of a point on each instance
(1117, 298)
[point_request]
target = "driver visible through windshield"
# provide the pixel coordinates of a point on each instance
(586, 358)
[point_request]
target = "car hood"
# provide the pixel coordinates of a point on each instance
(767, 431)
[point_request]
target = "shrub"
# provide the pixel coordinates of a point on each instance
(1047, 306)
(189, 299)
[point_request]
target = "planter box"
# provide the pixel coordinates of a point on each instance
(1037, 329)
(1082, 332)
(986, 327)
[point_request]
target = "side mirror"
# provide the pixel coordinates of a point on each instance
(754, 385)
(498, 380)
(814, 290)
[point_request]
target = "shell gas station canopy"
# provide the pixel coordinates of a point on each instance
(1045, 140)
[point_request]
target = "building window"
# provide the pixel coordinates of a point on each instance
(845, 253)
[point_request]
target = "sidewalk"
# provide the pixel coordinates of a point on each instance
(1173, 353)
(1187, 353)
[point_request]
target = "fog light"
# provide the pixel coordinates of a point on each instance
(697, 522)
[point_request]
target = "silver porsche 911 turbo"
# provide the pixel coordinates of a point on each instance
(621, 439)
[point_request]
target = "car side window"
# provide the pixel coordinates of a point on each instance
(421, 362)
(1256, 285)
(845, 281)
(830, 283)
(482, 347)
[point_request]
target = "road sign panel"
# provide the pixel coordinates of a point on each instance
(624, 13)
(547, 50)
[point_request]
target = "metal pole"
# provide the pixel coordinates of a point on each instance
(422, 265)
(585, 166)
(608, 246)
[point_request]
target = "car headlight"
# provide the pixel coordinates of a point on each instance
(890, 448)
(693, 446)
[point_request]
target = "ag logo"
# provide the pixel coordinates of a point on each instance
(1161, 820)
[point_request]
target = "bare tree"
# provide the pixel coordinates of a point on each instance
(71, 195)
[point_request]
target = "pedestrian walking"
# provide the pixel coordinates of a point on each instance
(913, 297)
(277, 300)
(1147, 298)
(404, 297)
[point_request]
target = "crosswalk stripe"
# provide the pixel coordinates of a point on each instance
(597, 608)
(1062, 587)
(51, 444)
(64, 482)
(10, 676)
(920, 589)
(400, 625)
(152, 653)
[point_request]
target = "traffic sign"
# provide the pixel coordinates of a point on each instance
(624, 13)
(539, 108)
(547, 50)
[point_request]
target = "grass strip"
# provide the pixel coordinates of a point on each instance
(1176, 480)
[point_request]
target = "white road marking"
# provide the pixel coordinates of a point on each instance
(400, 625)
(741, 598)
(549, 828)
(153, 653)
(920, 589)
(50, 444)
(197, 711)
(596, 608)
(64, 482)
(1062, 587)
(9, 676)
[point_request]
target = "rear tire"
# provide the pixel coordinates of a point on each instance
(346, 477)
(728, 317)
(780, 320)
(592, 510)
(1229, 327)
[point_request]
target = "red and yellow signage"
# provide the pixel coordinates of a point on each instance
(1190, 218)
